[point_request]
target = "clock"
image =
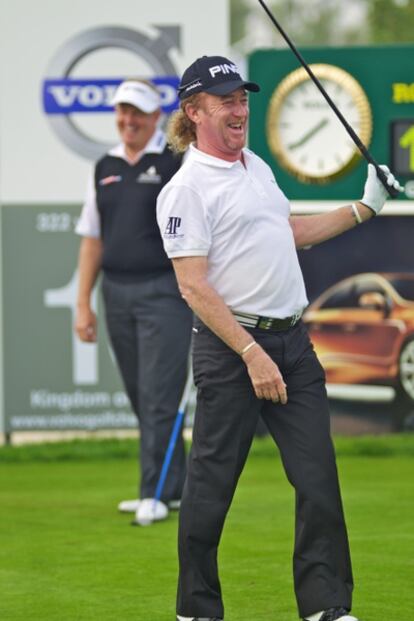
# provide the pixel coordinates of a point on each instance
(304, 134)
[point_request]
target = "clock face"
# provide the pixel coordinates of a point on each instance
(303, 132)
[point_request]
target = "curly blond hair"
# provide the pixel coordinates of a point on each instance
(181, 131)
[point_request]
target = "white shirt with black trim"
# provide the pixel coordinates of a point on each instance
(238, 217)
(89, 224)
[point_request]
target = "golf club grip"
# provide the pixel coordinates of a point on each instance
(393, 192)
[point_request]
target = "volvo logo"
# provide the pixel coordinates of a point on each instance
(64, 95)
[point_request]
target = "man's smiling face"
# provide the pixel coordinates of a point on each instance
(221, 123)
(135, 127)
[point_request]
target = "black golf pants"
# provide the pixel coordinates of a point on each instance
(225, 421)
(149, 325)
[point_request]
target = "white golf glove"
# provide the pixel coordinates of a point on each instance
(375, 194)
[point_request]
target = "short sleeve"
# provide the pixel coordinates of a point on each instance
(183, 222)
(89, 224)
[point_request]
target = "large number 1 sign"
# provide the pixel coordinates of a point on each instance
(84, 355)
(52, 380)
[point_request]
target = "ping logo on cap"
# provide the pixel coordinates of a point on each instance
(222, 69)
(215, 75)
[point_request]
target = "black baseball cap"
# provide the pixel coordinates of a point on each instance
(215, 75)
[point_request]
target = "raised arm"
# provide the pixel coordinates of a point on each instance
(314, 229)
(311, 230)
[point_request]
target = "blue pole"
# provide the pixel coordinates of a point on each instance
(173, 438)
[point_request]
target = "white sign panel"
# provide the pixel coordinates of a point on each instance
(60, 63)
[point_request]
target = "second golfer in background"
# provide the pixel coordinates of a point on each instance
(149, 324)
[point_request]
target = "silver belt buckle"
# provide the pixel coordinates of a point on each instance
(295, 319)
(266, 323)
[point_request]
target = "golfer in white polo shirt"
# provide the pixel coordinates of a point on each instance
(226, 225)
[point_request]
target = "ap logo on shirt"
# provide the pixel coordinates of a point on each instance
(172, 227)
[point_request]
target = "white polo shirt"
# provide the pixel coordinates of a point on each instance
(239, 218)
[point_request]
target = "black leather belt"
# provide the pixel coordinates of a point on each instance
(249, 320)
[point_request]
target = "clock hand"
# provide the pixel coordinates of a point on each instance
(392, 191)
(308, 135)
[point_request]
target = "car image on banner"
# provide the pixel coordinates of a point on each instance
(362, 329)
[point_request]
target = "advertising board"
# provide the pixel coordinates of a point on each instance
(59, 67)
(294, 129)
(359, 284)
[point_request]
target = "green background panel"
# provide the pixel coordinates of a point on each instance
(375, 68)
(37, 339)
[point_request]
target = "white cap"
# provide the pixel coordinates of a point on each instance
(137, 94)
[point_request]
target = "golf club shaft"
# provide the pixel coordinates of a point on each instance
(380, 173)
(174, 435)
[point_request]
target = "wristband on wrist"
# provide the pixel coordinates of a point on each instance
(356, 213)
(247, 347)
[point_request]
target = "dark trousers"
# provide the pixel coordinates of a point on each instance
(149, 325)
(225, 422)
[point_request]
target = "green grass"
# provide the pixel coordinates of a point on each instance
(66, 555)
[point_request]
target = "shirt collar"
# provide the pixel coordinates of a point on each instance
(210, 160)
(156, 144)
